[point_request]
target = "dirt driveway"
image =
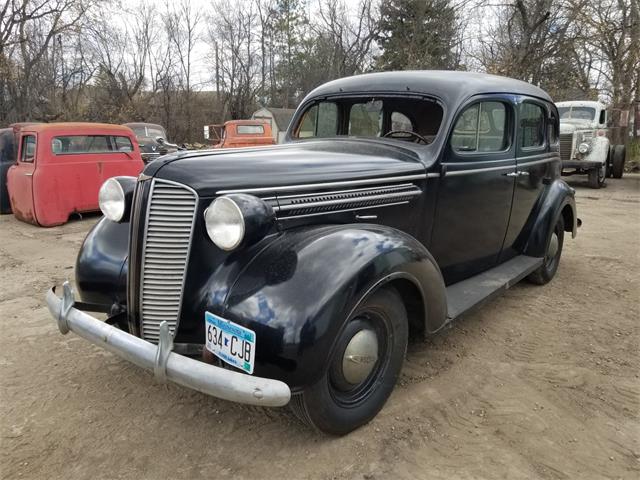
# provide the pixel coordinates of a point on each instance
(541, 383)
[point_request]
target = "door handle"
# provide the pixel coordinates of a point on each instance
(28, 174)
(511, 174)
(523, 173)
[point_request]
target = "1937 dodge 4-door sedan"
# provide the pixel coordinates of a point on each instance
(296, 273)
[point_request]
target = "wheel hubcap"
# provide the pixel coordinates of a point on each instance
(360, 356)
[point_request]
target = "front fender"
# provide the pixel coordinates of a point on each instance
(101, 266)
(599, 150)
(558, 200)
(297, 293)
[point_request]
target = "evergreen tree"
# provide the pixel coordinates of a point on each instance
(417, 34)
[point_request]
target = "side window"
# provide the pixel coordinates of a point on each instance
(532, 125)
(603, 117)
(554, 134)
(481, 128)
(123, 144)
(321, 120)
(28, 149)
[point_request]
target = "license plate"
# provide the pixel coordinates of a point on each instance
(230, 342)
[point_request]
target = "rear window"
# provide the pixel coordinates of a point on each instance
(73, 144)
(250, 129)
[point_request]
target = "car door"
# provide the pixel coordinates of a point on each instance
(20, 179)
(538, 156)
(476, 188)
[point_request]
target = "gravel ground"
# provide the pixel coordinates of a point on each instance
(540, 383)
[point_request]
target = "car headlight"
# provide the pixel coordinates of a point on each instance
(233, 219)
(115, 197)
(584, 148)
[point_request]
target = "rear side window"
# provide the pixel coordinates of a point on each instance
(481, 128)
(250, 129)
(28, 149)
(74, 144)
(532, 125)
(123, 144)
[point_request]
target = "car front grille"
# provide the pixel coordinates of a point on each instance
(166, 241)
(566, 145)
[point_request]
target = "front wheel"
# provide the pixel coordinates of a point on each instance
(549, 266)
(598, 176)
(363, 369)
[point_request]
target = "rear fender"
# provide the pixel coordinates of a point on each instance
(297, 293)
(558, 200)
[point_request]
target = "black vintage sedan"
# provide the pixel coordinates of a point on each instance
(295, 274)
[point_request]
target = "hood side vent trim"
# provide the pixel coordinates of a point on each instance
(296, 206)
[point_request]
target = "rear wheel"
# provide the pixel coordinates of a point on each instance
(363, 368)
(549, 266)
(617, 164)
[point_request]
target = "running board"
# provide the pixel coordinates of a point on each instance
(473, 292)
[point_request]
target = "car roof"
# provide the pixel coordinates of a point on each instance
(246, 122)
(448, 85)
(77, 128)
(580, 103)
(142, 124)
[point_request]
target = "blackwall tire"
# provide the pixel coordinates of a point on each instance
(549, 267)
(617, 167)
(336, 406)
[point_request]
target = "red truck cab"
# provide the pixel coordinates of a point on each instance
(239, 133)
(61, 166)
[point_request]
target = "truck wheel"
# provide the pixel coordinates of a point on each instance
(363, 368)
(610, 161)
(618, 161)
(598, 176)
(549, 267)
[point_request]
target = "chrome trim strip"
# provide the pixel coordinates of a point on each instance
(292, 217)
(433, 175)
(324, 203)
(456, 173)
(311, 186)
(538, 162)
(188, 372)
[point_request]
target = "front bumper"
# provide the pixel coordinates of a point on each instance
(185, 371)
(581, 164)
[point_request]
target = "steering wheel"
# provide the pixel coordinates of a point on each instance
(405, 134)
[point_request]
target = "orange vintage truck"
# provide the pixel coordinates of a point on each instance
(239, 133)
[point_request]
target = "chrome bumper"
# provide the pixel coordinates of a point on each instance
(185, 371)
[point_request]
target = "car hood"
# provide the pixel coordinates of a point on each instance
(309, 162)
(570, 126)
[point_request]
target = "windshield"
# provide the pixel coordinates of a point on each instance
(577, 113)
(399, 118)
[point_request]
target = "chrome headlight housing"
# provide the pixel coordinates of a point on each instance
(232, 220)
(584, 148)
(115, 197)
